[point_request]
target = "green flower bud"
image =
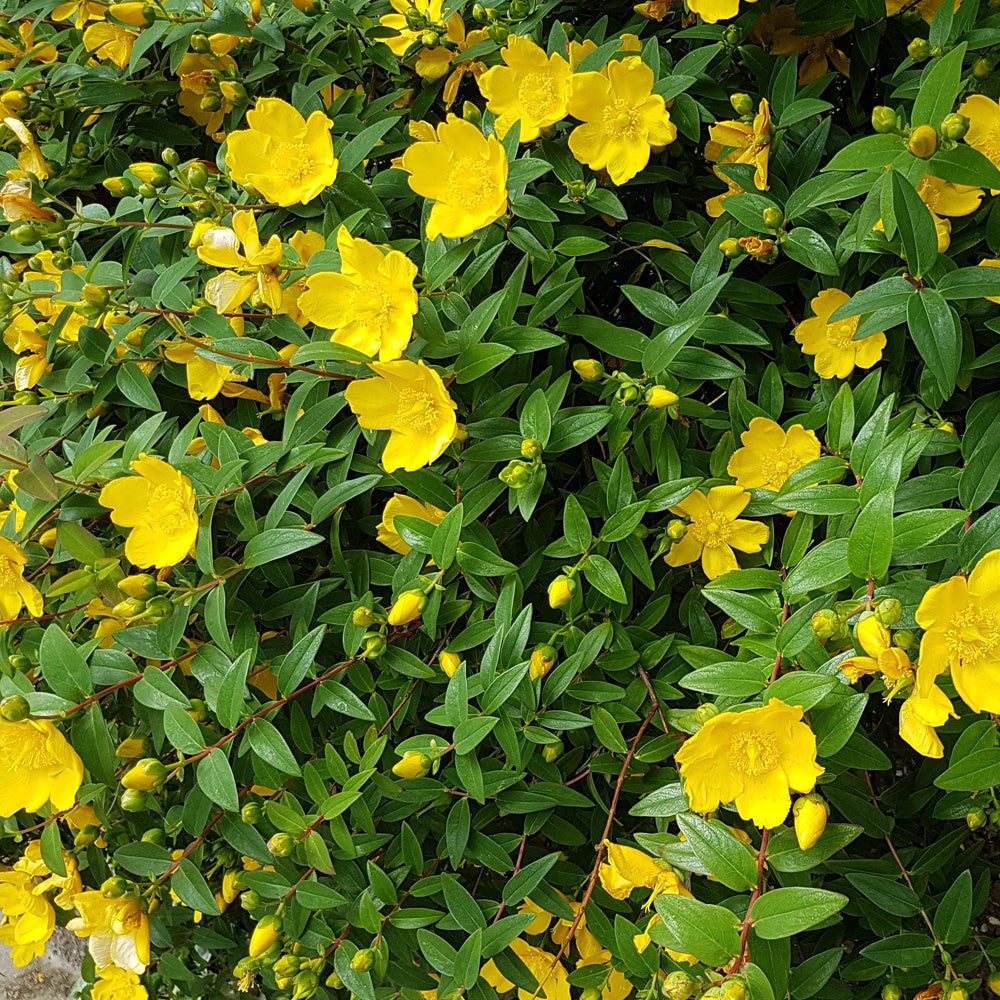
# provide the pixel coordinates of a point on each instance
(531, 448)
(742, 104)
(199, 43)
(774, 218)
(14, 709)
(479, 14)
(676, 529)
(884, 120)
(472, 113)
(147, 190)
(363, 960)
(919, 49)
(994, 982)
(888, 610)
(170, 157)
(79, 150)
(903, 638)
(954, 127)
(552, 752)
(826, 624)
(251, 900)
(430, 39)
(25, 234)
(677, 986)
(281, 845)
(114, 887)
(196, 174)
(981, 69)
(134, 800)
(891, 992)
(518, 8)
(732, 36)
(975, 817)
(516, 475)
(373, 645)
(252, 813)
(628, 393)
(498, 32)
(414, 19)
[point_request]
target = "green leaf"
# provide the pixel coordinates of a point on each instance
(480, 561)
(192, 889)
(687, 925)
(979, 770)
(749, 610)
(576, 525)
(810, 249)
(607, 731)
(953, 918)
(605, 578)
(916, 528)
(785, 855)
(869, 547)
(780, 913)
(181, 730)
(730, 860)
(939, 87)
(215, 779)
(520, 885)
(51, 848)
(148, 861)
(902, 951)
(64, 669)
(935, 331)
(276, 543)
(916, 226)
(299, 659)
(270, 746)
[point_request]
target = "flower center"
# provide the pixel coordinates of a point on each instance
(841, 335)
(471, 182)
(537, 94)
(972, 634)
(776, 466)
(753, 753)
(621, 120)
(712, 532)
(371, 303)
(24, 749)
(417, 409)
(293, 161)
(168, 510)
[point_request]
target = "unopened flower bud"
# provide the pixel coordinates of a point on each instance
(994, 982)
(114, 887)
(373, 645)
(430, 39)
(363, 960)
(561, 591)
(888, 610)
(407, 608)
(552, 752)
(676, 529)
(479, 14)
(134, 746)
(20, 663)
(628, 393)
(472, 112)
(146, 774)
(251, 900)
(884, 120)
(196, 174)
(155, 835)
(95, 294)
(591, 993)
(25, 234)
(281, 845)
(588, 369)
(954, 127)
(131, 607)
(975, 817)
(956, 993)
(543, 659)
(919, 49)
(734, 990)
(659, 397)
(15, 100)
(362, 617)
(891, 992)
(251, 813)
(705, 712)
(14, 709)
(265, 934)
(742, 104)
(531, 448)
(923, 141)
(774, 218)
(903, 638)
(498, 32)
(449, 662)
(516, 474)
(134, 800)
(810, 813)
(981, 69)
(413, 764)
(87, 836)
(151, 173)
(414, 19)
(825, 623)
(135, 13)
(677, 986)
(334, 981)
(170, 157)
(732, 36)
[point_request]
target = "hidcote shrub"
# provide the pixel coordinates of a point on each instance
(501, 500)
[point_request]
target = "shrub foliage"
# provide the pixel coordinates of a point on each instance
(501, 499)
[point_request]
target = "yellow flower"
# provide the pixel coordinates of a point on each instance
(745, 144)
(434, 63)
(80, 817)
(643, 940)
(15, 591)
(30, 158)
(21, 336)
(925, 8)
(117, 931)
(158, 505)
(716, 529)
(776, 31)
(205, 378)
(39, 765)
(18, 204)
(770, 455)
(883, 658)
(110, 42)
(627, 869)
(79, 11)
(920, 715)
(463, 172)
(622, 118)
(285, 157)
(837, 352)
(29, 49)
(370, 304)
(754, 758)
(194, 73)
(961, 623)
(715, 10)
(946, 199)
(28, 918)
(410, 400)
(403, 506)
(550, 974)
(251, 273)
(984, 126)
(530, 87)
(305, 242)
(541, 917)
(578, 51)
(406, 36)
(118, 984)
